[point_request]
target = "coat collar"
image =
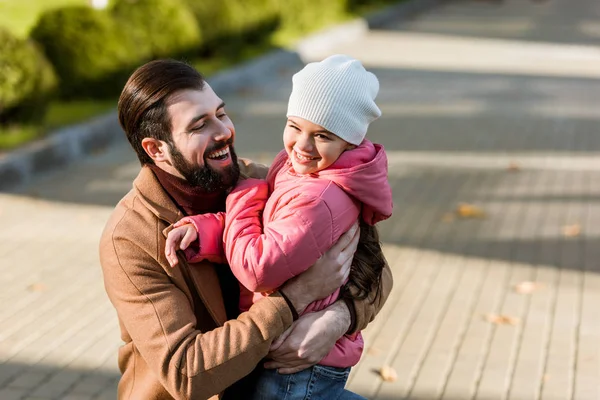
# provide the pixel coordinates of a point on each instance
(154, 197)
(204, 277)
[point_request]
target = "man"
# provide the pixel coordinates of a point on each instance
(183, 337)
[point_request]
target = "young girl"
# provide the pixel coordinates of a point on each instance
(326, 178)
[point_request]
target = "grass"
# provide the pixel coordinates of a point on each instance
(60, 113)
(13, 137)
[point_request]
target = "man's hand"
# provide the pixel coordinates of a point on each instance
(309, 339)
(326, 275)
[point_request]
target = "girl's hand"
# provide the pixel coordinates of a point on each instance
(179, 239)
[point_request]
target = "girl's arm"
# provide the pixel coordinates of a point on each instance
(209, 245)
(263, 257)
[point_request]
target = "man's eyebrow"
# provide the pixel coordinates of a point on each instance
(199, 117)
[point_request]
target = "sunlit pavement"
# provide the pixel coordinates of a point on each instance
(491, 104)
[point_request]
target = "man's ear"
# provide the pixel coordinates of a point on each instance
(156, 149)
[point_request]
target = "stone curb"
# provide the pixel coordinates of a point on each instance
(69, 144)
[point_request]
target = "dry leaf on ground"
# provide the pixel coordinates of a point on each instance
(527, 287)
(373, 351)
(388, 374)
(37, 287)
(501, 319)
(448, 217)
(572, 230)
(466, 210)
(513, 167)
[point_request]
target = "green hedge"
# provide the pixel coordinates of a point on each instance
(234, 22)
(27, 80)
(87, 49)
(302, 16)
(159, 28)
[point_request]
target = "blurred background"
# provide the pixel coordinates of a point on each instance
(491, 114)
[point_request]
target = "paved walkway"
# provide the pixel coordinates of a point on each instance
(487, 103)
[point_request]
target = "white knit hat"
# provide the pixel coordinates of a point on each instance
(337, 94)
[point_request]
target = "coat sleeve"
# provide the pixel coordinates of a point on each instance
(209, 244)
(159, 318)
(263, 257)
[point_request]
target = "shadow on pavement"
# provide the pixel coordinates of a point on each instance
(49, 382)
(526, 20)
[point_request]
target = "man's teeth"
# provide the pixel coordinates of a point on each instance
(219, 153)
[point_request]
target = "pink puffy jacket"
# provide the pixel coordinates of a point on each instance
(270, 238)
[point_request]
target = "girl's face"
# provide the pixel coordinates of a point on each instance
(311, 147)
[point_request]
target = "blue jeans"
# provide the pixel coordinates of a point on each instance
(317, 382)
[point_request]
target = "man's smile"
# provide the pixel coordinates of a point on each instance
(221, 154)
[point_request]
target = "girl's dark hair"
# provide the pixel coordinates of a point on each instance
(367, 265)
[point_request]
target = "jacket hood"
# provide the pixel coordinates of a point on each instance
(363, 174)
(360, 172)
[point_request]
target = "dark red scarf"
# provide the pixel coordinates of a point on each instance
(189, 199)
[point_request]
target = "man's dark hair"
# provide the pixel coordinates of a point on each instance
(142, 104)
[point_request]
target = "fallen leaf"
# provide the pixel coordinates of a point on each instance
(388, 374)
(527, 287)
(448, 217)
(465, 210)
(373, 351)
(572, 230)
(37, 287)
(513, 167)
(501, 319)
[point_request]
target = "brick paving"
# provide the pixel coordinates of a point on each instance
(518, 138)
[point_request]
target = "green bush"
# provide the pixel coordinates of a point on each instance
(210, 20)
(90, 54)
(159, 28)
(303, 16)
(234, 22)
(27, 80)
(250, 16)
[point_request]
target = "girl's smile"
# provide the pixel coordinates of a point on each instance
(311, 147)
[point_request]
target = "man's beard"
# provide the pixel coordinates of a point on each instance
(205, 177)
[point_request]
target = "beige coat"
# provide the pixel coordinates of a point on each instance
(177, 340)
